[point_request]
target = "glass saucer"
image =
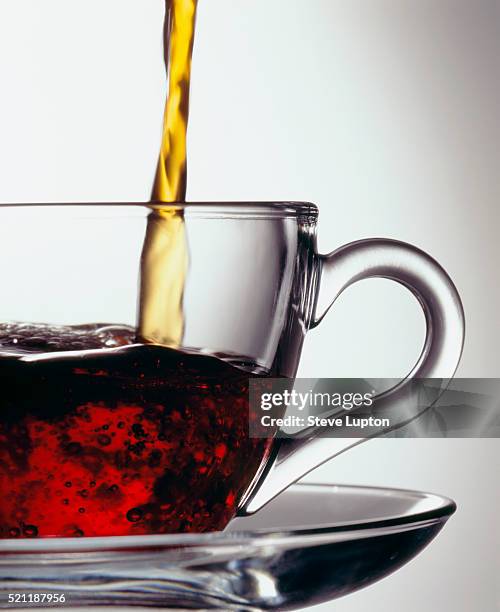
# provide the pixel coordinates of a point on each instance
(311, 544)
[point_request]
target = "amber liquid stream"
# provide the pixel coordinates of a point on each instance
(165, 253)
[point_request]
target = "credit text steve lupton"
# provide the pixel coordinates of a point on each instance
(299, 401)
(294, 420)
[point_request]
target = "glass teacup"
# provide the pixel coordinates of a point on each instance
(104, 432)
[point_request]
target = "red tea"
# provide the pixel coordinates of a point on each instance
(99, 441)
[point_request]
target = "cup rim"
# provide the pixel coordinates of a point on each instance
(208, 209)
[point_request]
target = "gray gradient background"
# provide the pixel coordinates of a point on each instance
(383, 112)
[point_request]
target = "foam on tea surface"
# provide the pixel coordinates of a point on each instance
(98, 441)
(26, 338)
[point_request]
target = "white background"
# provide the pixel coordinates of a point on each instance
(382, 112)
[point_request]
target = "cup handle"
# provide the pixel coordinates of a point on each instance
(444, 316)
